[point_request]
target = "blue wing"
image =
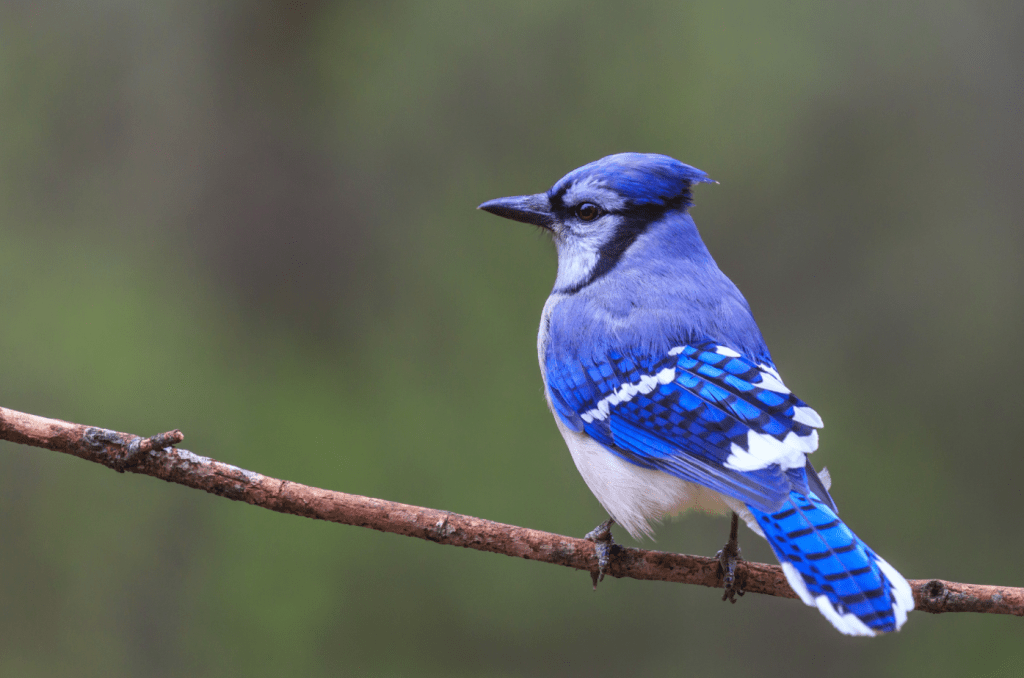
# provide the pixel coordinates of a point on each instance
(700, 412)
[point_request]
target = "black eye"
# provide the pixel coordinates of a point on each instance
(588, 211)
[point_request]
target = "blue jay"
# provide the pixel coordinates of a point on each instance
(665, 392)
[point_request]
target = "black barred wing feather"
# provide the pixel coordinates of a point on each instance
(701, 412)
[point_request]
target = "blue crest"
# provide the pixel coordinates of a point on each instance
(640, 178)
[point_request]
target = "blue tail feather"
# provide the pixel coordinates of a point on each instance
(830, 568)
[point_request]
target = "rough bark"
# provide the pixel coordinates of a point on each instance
(156, 456)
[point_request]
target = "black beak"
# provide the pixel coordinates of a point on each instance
(529, 209)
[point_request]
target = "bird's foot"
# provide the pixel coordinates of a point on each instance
(729, 560)
(603, 545)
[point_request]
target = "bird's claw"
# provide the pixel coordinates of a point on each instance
(603, 545)
(727, 571)
(728, 560)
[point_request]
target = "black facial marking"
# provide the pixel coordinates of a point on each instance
(635, 221)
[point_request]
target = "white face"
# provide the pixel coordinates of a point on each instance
(579, 241)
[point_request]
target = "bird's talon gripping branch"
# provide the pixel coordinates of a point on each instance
(603, 546)
(728, 560)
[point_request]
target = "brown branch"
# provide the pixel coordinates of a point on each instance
(156, 457)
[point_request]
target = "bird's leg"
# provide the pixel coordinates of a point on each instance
(728, 559)
(603, 545)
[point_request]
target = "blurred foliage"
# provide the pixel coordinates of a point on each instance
(254, 221)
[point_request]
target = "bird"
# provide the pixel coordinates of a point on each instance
(664, 390)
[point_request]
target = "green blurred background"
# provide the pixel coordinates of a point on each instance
(254, 221)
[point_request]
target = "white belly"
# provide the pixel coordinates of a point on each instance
(632, 495)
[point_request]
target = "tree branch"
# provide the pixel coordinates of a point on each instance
(156, 456)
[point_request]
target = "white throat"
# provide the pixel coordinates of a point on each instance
(576, 261)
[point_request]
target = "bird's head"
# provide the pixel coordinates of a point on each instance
(597, 211)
